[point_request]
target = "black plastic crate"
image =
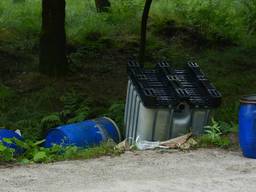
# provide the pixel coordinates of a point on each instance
(165, 86)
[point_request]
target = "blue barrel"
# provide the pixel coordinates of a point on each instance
(10, 134)
(247, 126)
(84, 134)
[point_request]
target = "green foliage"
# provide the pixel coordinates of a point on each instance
(227, 128)
(214, 135)
(6, 154)
(120, 22)
(34, 114)
(229, 19)
(116, 112)
(216, 19)
(34, 153)
(35, 110)
(213, 131)
(75, 107)
(206, 141)
(249, 11)
(5, 92)
(51, 121)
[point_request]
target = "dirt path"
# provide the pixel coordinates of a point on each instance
(201, 170)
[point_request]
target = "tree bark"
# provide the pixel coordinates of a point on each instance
(102, 5)
(53, 61)
(144, 31)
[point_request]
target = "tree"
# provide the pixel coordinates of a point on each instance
(144, 31)
(102, 5)
(53, 61)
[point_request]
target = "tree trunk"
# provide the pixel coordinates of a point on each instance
(102, 5)
(53, 61)
(144, 31)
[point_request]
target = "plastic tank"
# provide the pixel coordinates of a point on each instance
(247, 126)
(164, 103)
(84, 134)
(10, 134)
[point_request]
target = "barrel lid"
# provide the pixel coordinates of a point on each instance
(250, 99)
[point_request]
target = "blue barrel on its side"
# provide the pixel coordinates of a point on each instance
(10, 134)
(84, 134)
(247, 126)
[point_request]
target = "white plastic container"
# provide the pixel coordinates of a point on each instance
(159, 124)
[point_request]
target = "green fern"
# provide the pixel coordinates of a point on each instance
(51, 121)
(6, 154)
(80, 115)
(214, 131)
(75, 107)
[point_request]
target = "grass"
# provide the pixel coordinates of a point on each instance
(216, 19)
(219, 35)
(34, 153)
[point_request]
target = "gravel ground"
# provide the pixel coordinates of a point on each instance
(149, 171)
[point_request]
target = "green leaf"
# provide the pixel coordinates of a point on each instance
(7, 140)
(39, 156)
(25, 161)
(2, 147)
(21, 144)
(39, 142)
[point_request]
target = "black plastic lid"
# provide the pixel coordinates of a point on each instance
(164, 86)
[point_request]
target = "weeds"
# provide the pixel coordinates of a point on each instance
(6, 153)
(217, 134)
(213, 131)
(33, 152)
(116, 112)
(90, 34)
(215, 19)
(234, 20)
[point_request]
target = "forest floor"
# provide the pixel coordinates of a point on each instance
(147, 171)
(97, 76)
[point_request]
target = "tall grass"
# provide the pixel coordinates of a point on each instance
(231, 71)
(231, 19)
(24, 19)
(121, 21)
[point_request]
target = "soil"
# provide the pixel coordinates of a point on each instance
(156, 171)
(102, 78)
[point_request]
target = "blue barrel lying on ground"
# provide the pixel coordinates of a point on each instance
(247, 126)
(10, 134)
(84, 134)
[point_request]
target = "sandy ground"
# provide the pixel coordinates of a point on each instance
(201, 170)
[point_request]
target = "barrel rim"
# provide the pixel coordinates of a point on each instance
(115, 125)
(248, 99)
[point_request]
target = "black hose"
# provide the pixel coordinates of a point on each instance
(144, 32)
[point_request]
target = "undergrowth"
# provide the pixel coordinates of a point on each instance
(215, 19)
(33, 152)
(33, 116)
(178, 31)
(218, 134)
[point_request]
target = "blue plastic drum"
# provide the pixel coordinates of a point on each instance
(10, 134)
(84, 134)
(247, 126)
